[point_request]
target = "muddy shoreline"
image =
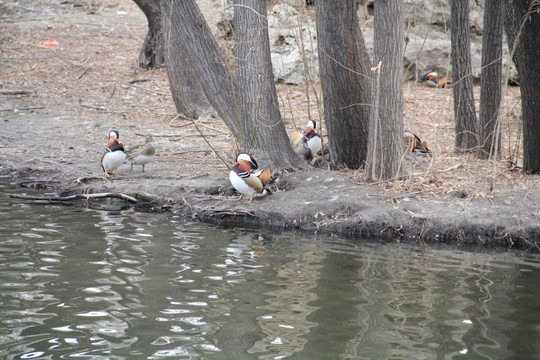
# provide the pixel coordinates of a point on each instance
(334, 206)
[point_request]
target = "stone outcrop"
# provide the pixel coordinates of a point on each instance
(427, 37)
(288, 30)
(288, 36)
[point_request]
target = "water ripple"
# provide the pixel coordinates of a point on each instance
(78, 283)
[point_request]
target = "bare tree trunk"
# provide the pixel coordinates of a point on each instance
(490, 88)
(523, 28)
(209, 68)
(261, 124)
(464, 111)
(386, 129)
(186, 91)
(345, 81)
(152, 54)
(252, 115)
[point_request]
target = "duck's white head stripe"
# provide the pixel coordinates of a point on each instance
(243, 156)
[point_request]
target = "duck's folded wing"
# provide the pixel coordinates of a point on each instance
(133, 150)
(255, 183)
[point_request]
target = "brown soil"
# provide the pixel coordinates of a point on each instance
(55, 132)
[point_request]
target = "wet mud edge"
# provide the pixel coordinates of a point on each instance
(310, 203)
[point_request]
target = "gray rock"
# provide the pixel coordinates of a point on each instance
(427, 35)
(427, 39)
(293, 44)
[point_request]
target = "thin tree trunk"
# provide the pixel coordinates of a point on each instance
(386, 129)
(523, 28)
(186, 91)
(152, 54)
(490, 87)
(261, 124)
(345, 81)
(464, 111)
(209, 68)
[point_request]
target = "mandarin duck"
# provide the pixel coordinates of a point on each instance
(414, 142)
(444, 82)
(309, 139)
(114, 155)
(142, 154)
(314, 141)
(300, 146)
(430, 79)
(246, 177)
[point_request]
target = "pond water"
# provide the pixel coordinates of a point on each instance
(77, 283)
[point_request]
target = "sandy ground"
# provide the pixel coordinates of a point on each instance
(73, 94)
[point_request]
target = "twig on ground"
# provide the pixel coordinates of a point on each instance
(175, 136)
(179, 116)
(191, 151)
(200, 134)
(401, 196)
(15, 92)
(454, 167)
(403, 177)
(180, 126)
(83, 73)
(84, 179)
(142, 89)
(188, 204)
(134, 81)
(230, 212)
(212, 128)
(24, 108)
(101, 108)
(76, 197)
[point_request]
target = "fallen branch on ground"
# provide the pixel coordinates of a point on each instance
(85, 179)
(101, 108)
(454, 167)
(24, 108)
(182, 116)
(15, 92)
(76, 197)
(134, 81)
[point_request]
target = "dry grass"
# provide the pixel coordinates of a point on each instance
(87, 81)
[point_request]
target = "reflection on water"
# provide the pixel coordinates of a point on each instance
(79, 283)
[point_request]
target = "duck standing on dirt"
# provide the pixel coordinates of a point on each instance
(415, 144)
(142, 154)
(246, 177)
(114, 155)
(314, 141)
(300, 146)
(309, 143)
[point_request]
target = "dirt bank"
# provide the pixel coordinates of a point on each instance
(53, 133)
